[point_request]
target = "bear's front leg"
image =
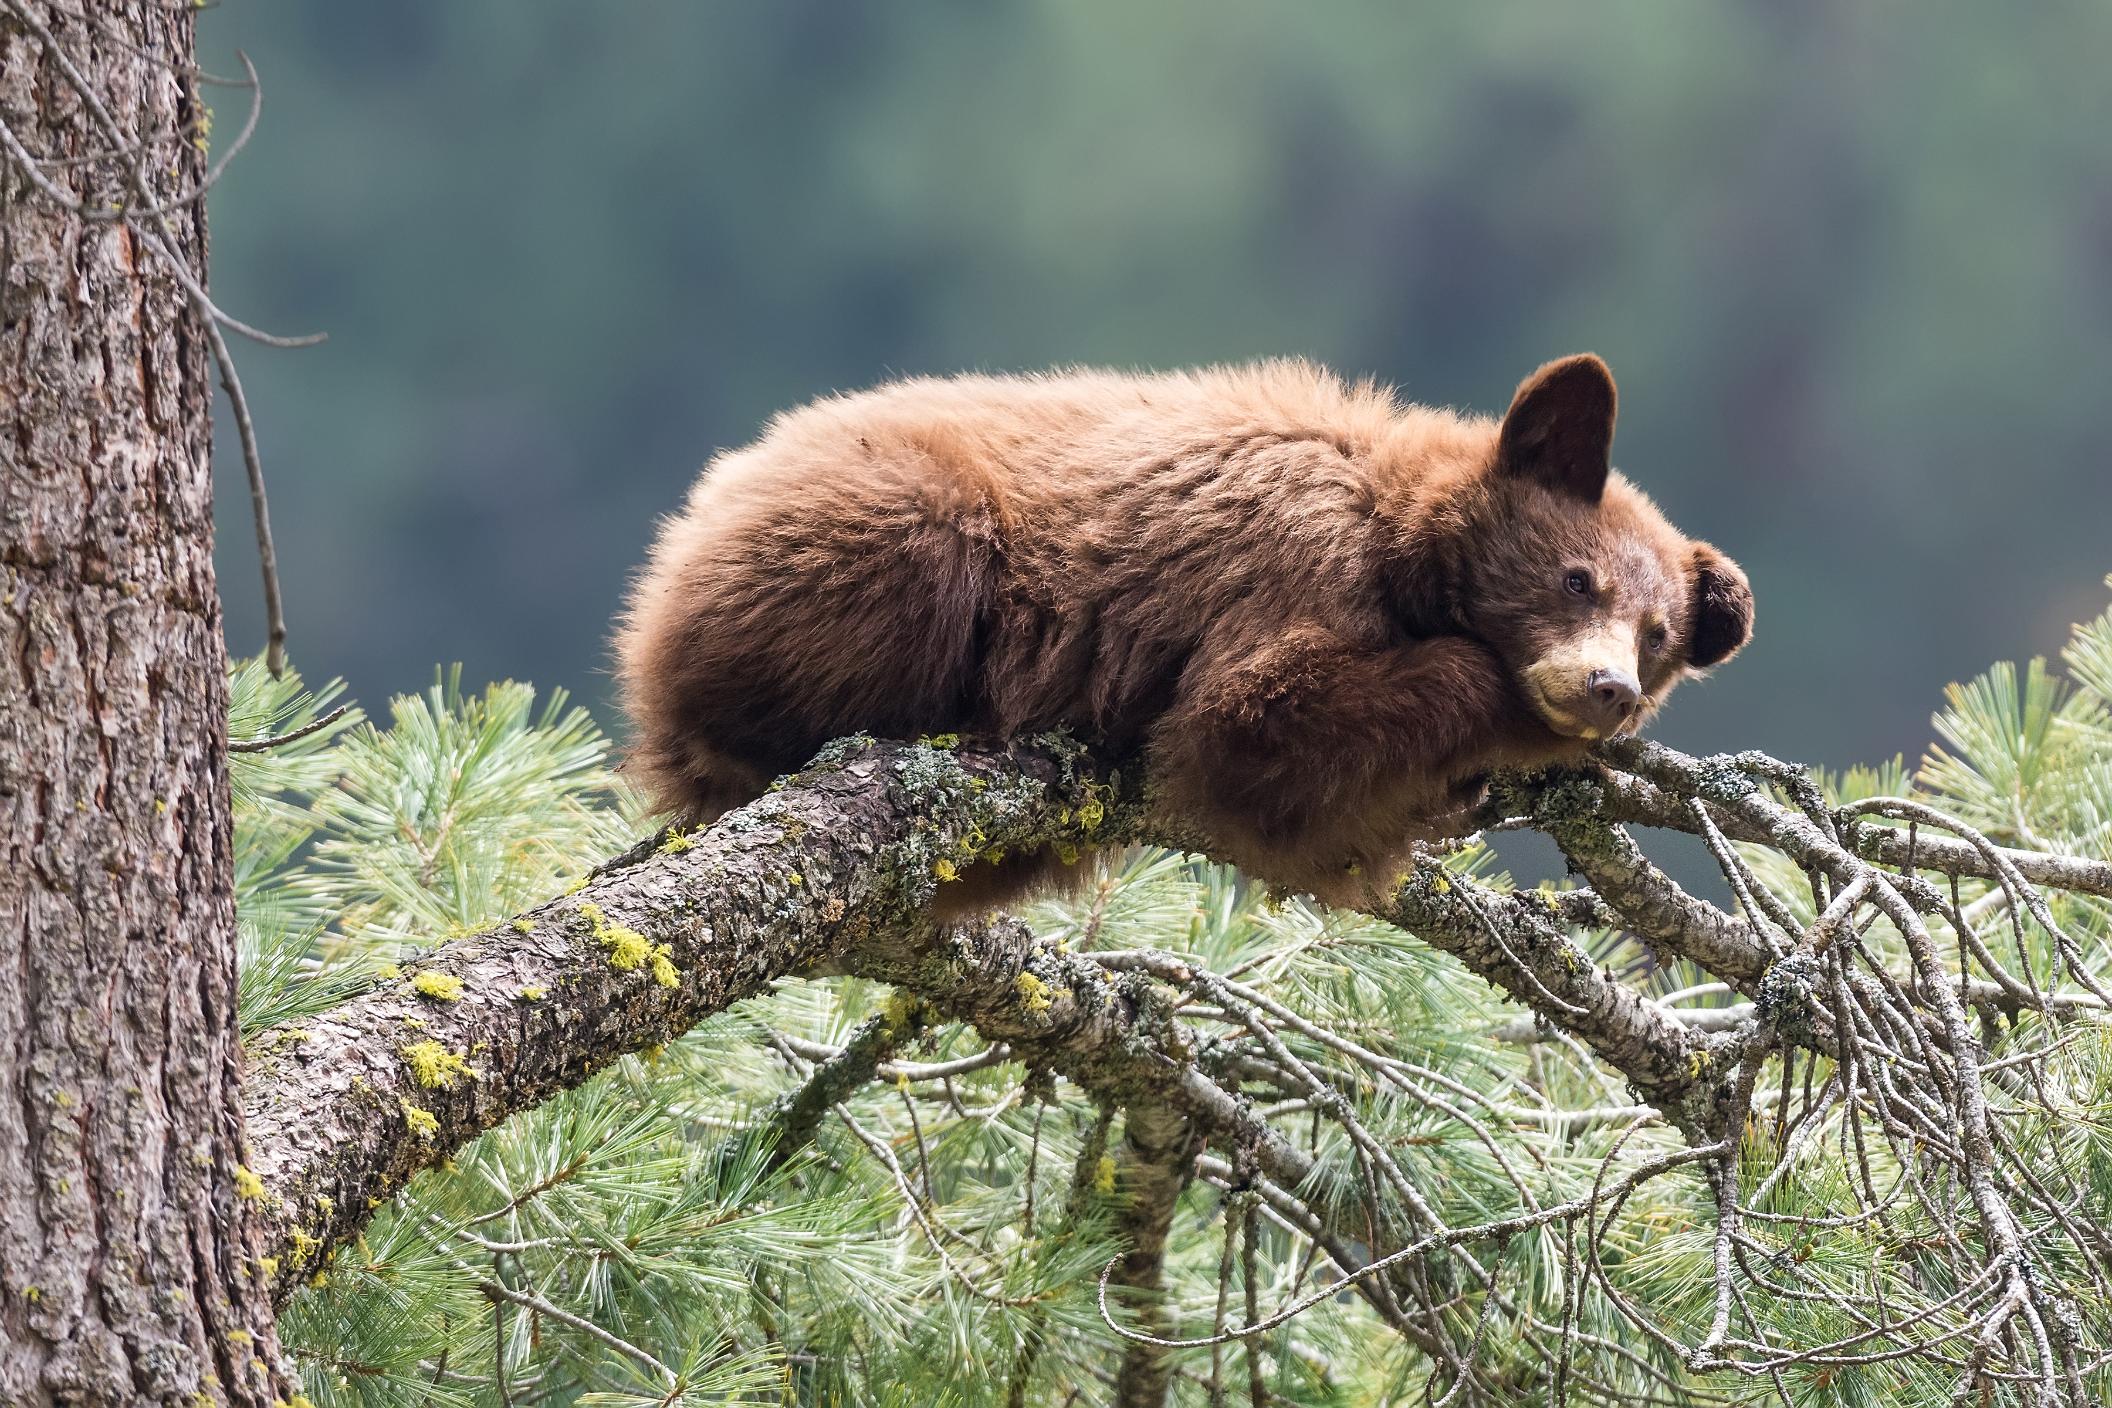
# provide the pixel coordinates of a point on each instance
(1312, 762)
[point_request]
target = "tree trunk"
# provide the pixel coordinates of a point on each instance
(127, 1249)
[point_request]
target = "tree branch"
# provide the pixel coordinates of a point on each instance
(789, 1124)
(1155, 1162)
(1637, 793)
(346, 1107)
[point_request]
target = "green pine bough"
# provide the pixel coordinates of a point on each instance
(730, 1118)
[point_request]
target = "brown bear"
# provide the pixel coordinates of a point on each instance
(1319, 614)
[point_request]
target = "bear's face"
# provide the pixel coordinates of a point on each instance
(1596, 604)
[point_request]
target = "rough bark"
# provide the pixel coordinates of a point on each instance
(127, 1256)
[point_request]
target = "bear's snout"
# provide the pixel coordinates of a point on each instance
(1613, 697)
(1587, 686)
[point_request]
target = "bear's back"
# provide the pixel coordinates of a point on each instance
(999, 552)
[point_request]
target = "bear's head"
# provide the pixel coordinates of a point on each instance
(1596, 604)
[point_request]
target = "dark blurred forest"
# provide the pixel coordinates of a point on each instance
(1852, 264)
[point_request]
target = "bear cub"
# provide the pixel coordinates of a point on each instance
(1320, 615)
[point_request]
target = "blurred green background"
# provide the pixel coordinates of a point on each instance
(1852, 265)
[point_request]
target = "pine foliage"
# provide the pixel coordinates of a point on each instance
(638, 1241)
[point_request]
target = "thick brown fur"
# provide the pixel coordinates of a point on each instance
(1320, 614)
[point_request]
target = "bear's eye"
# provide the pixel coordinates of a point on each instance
(1656, 638)
(1578, 583)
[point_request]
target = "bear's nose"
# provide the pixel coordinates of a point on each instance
(1614, 695)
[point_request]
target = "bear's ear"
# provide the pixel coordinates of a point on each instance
(1559, 430)
(1723, 608)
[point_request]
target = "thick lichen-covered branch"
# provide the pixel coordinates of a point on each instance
(345, 1107)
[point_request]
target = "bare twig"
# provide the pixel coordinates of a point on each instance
(277, 740)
